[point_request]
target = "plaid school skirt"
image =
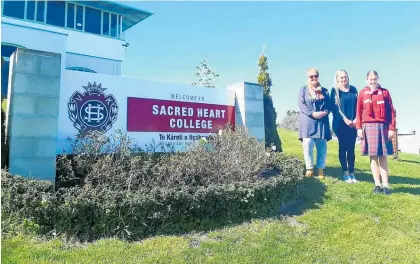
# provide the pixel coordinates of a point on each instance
(375, 141)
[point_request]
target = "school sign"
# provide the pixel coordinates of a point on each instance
(148, 111)
(49, 104)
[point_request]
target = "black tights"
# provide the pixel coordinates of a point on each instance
(346, 144)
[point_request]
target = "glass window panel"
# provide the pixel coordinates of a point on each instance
(40, 11)
(56, 11)
(14, 9)
(30, 10)
(4, 78)
(119, 25)
(92, 20)
(113, 25)
(79, 17)
(80, 69)
(70, 15)
(7, 50)
(105, 24)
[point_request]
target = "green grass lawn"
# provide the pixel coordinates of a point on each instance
(339, 223)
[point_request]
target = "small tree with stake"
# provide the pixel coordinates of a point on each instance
(205, 75)
(4, 144)
(270, 115)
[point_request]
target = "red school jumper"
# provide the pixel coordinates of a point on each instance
(375, 107)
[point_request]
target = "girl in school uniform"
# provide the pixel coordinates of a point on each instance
(376, 125)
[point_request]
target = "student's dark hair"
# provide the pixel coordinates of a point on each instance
(373, 72)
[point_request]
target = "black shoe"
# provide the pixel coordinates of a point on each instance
(387, 191)
(377, 189)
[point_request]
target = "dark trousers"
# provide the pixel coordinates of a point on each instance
(346, 144)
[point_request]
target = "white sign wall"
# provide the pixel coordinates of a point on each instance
(149, 111)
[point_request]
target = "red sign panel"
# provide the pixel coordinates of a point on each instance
(151, 115)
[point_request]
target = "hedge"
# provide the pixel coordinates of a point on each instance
(134, 197)
(92, 214)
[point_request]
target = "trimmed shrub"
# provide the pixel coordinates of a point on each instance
(88, 165)
(231, 157)
(96, 213)
(217, 183)
(24, 201)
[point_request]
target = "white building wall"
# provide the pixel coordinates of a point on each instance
(35, 39)
(32, 38)
(99, 65)
(409, 144)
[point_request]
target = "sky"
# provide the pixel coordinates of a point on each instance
(356, 36)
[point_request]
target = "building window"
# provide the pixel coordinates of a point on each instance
(40, 11)
(79, 17)
(6, 51)
(66, 14)
(5, 77)
(14, 9)
(114, 25)
(56, 12)
(30, 10)
(105, 23)
(82, 69)
(93, 20)
(70, 15)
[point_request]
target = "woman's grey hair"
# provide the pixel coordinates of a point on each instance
(317, 72)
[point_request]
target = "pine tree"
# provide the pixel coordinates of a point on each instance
(270, 115)
(4, 146)
(205, 75)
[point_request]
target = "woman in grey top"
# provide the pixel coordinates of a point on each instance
(314, 125)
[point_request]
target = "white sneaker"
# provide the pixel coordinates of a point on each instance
(353, 179)
(347, 179)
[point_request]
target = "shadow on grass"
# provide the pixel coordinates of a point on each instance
(311, 196)
(393, 179)
(409, 161)
(414, 190)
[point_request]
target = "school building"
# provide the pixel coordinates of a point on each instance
(89, 35)
(62, 77)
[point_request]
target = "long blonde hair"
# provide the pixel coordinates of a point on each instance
(337, 89)
(337, 86)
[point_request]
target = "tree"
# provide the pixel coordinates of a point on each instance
(4, 144)
(270, 115)
(291, 120)
(205, 75)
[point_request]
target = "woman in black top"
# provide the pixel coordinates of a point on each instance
(343, 103)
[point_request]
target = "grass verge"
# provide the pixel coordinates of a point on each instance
(333, 222)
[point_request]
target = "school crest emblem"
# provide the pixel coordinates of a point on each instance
(92, 109)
